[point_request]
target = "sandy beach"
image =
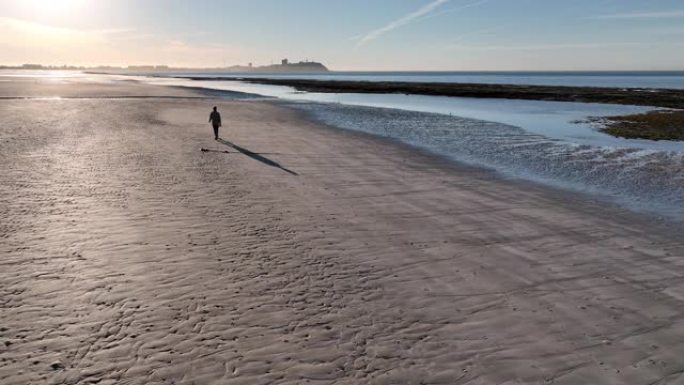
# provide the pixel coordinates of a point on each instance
(295, 253)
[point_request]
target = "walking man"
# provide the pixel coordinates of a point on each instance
(215, 120)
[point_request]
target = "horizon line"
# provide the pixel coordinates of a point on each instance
(164, 67)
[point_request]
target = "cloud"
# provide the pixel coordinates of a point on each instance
(642, 15)
(23, 41)
(402, 21)
(20, 33)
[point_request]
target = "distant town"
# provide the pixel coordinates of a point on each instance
(285, 66)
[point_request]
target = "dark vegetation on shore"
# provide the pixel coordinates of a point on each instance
(669, 98)
(654, 125)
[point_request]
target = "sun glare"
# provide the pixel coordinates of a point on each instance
(55, 8)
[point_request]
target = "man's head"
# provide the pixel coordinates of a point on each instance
(214, 108)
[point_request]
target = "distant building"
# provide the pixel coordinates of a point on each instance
(285, 62)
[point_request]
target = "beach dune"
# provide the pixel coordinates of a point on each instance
(295, 253)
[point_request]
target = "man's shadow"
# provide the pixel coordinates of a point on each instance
(256, 156)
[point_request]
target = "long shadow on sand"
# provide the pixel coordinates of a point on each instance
(256, 156)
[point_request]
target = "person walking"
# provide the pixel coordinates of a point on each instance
(215, 120)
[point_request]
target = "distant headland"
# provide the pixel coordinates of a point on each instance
(285, 66)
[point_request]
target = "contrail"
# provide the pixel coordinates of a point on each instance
(466, 6)
(372, 35)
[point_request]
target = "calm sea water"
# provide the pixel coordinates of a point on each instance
(637, 79)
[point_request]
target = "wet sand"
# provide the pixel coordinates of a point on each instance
(293, 253)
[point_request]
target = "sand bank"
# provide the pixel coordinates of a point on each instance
(306, 254)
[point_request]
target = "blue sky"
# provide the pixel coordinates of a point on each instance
(349, 34)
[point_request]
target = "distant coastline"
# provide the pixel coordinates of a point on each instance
(285, 66)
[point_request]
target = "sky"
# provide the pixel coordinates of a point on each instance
(357, 35)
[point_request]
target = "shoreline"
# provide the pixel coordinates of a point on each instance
(653, 125)
(583, 170)
(670, 226)
(664, 98)
(619, 126)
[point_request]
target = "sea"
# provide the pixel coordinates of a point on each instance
(546, 142)
(619, 79)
